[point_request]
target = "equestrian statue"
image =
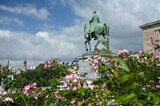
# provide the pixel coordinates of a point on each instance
(93, 29)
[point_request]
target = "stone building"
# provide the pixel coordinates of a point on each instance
(151, 36)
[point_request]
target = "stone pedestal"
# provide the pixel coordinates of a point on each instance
(85, 67)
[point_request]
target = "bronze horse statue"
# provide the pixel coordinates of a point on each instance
(99, 29)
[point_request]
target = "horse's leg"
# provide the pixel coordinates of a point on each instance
(98, 41)
(89, 44)
(86, 45)
(107, 40)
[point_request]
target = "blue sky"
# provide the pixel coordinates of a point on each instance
(36, 30)
(55, 13)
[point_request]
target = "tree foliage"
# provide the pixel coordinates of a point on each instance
(39, 75)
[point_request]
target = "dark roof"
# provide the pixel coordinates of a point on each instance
(150, 24)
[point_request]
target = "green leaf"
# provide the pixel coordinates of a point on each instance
(52, 104)
(82, 93)
(132, 95)
(105, 43)
(125, 77)
(105, 102)
(156, 100)
(122, 63)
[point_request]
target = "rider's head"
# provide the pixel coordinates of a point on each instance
(94, 12)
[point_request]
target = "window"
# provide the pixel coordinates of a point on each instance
(156, 39)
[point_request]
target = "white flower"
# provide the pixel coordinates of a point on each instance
(5, 93)
(89, 82)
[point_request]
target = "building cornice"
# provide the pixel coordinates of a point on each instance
(149, 24)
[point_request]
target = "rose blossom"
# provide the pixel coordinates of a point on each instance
(91, 87)
(28, 87)
(140, 52)
(5, 93)
(8, 99)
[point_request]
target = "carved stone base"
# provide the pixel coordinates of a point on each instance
(85, 67)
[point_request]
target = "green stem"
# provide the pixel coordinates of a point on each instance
(24, 100)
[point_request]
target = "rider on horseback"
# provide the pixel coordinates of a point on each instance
(94, 29)
(93, 21)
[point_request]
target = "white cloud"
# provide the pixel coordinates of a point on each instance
(42, 45)
(19, 22)
(6, 20)
(29, 10)
(53, 3)
(42, 34)
(4, 34)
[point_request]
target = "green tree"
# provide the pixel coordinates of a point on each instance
(40, 75)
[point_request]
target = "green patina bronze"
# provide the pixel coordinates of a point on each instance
(93, 29)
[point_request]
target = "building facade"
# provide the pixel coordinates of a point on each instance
(151, 37)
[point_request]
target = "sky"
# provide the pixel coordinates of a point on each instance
(36, 30)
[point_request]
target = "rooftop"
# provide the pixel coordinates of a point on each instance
(150, 24)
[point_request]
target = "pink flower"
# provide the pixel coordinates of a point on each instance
(102, 59)
(75, 88)
(46, 64)
(89, 58)
(140, 52)
(118, 54)
(52, 59)
(34, 84)
(73, 101)
(122, 52)
(75, 80)
(29, 92)
(28, 87)
(75, 75)
(8, 99)
(111, 61)
(125, 51)
(91, 87)
(67, 77)
(158, 65)
(89, 82)
(95, 57)
(95, 61)
(156, 56)
(158, 77)
(157, 86)
(151, 81)
(131, 56)
(110, 102)
(141, 73)
(104, 84)
(99, 58)
(26, 93)
(46, 96)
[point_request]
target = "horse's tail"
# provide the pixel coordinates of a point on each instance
(85, 27)
(106, 24)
